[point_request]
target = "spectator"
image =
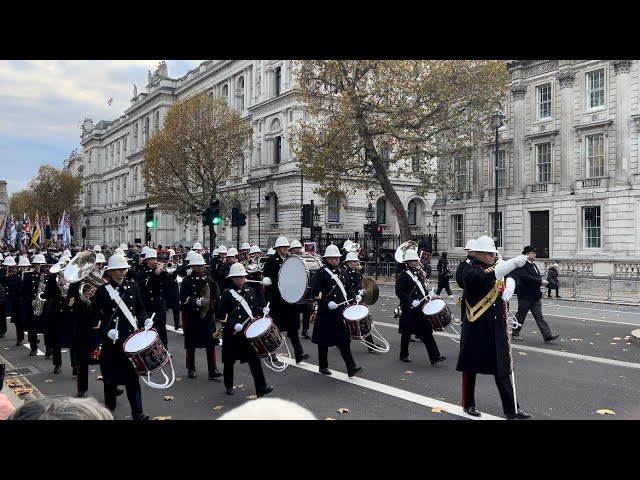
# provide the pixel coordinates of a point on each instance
(62, 408)
(269, 409)
(444, 274)
(554, 283)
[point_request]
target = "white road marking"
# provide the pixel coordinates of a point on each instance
(392, 391)
(578, 356)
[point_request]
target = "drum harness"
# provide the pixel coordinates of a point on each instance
(424, 295)
(115, 296)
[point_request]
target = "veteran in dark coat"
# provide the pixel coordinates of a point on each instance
(238, 305)
(330, 285)
(484, 342)
(115, 328)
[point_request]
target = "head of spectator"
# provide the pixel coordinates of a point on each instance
(269, 409)
(62, 408)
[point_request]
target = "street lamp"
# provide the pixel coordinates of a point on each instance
(436, 216)
(498, 121)
(369, 214)
(316, 221)
(119, 238)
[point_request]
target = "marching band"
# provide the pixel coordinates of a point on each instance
(115, 315)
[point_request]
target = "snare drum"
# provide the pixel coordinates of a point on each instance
(264, 336)
(438, 313)
(146, 351)
(294, 278)
(358, 320)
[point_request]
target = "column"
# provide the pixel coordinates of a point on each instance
(565, 81)
(518, 115)
(623, 112)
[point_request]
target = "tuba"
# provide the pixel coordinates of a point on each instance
(81, 269)
(408, 245)
(253, 265)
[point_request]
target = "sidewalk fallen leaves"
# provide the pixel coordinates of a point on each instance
(168, 398)
(162, 418)
(218, 407)
(605, 411)
(343, 410)
(438, 409)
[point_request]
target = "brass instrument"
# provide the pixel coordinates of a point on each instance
(82, 269)
(171, 267)
(37, 311)
(400, 251)
(350, 246)
(253, 264)
(371, 291)
(58, 269)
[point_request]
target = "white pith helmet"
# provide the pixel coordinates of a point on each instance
(117, 262)
(39, 258)
(255, 249)
(295, 244)
(332, 251)
(232, 252)
(97, 248)
(411, 255)
(282, 242)
(222, 249)
(24, 261)
(471, 245)
(485, 244)
(352, 256)
(100, 258)
(237, 270)
(197, 246)
(197, 260)
(151, 253)
(245, 246)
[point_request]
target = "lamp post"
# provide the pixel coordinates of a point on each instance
(369, 214)
(429, 238)
(316, 221)
(436, 216)
(119, 238)
(498, 121)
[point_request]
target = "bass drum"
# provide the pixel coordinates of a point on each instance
(295, 277)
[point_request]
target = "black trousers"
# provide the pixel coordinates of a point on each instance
(82, 380)
(211, 359)
(3, 325)
(255, 365)
(57, 356)
(19, 333)
(176, 317)
(443, 283)
(33, 339)
(505, 389)
(134, 394)
(295, 341)
(556, 289)
(345, 351)
(306, 309)
(429, 343)
(524, 306)
(160, 324)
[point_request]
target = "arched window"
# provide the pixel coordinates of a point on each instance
(145, 131)
(156, 123)
(412, 212)
(225, 94)
(381, 210)
(333, 208)
(240, 94)
(275, 208)
(277, 150)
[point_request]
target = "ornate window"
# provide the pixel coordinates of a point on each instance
(595, 155)
(458, 231)
(412, 212)
(592, 227)
(277, 150)
(333, 208)
(543, 101)
(543, 162)
(492, 223)
(278, 80)
(595, 89)
(240, 94)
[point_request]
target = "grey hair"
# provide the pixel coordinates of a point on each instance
(62, 408)
(269, 409)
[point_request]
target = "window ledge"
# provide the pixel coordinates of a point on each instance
(334, 225)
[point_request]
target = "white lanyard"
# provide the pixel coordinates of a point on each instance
(418, 282)
(242, 301)
(115, 296)
(338, 282)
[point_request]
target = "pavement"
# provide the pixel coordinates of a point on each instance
(13, 384)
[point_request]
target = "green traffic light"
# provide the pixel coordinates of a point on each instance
(216, 220)
(150, 224)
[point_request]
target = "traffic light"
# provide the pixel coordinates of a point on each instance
(150, 220)
(234, 217)
(242, 219)
(216, 219)
(372, 229)
(307, 216)
(378, 231)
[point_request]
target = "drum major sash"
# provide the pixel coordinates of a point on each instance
(336, 279)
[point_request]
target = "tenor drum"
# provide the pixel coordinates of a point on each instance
(146, 351)
(295, 277)
(264, 336)
(358, 320)
(438, 313)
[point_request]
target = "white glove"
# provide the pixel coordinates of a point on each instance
(199, 301)
(237, 327)
(361, 292)
(8, 318)
(267, 281)
(333, 305)
(148, 323)
(113, 334)
(358, 298)
(510, 286)
(415, 303)
(431, 294)
(520, 261)
(266, 311)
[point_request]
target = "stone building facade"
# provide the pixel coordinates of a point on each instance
(261, 91)
(568, 168)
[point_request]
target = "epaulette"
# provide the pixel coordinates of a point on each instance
(489, 270)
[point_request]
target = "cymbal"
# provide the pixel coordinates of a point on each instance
(371, 290)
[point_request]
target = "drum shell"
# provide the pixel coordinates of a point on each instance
(268, 342)
(149, 359)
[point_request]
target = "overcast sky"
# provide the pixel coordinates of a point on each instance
(43, 103)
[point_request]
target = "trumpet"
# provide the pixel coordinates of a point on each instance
(171, 267)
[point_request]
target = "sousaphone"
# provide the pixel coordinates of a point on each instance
(408, 245)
